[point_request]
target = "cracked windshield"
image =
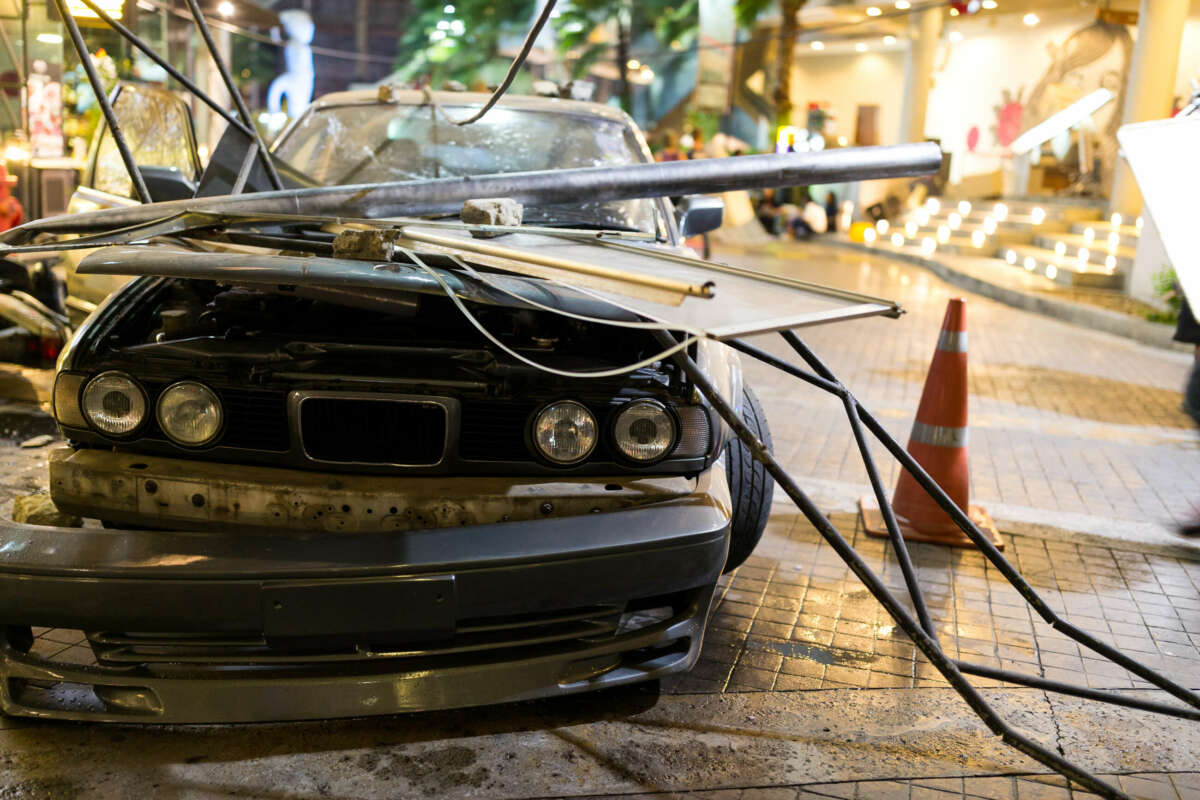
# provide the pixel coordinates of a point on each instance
(377, 143)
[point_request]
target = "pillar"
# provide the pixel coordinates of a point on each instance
(925, 29)
(1150, 87)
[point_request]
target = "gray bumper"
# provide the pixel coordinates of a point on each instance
(278, 626)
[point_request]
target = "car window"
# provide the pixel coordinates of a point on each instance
(158, 129)
(374, 143)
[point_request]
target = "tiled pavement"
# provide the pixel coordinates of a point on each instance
(1063, 419)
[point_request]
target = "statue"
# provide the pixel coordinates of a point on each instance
(297, 80)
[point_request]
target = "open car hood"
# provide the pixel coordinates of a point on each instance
(724, 301)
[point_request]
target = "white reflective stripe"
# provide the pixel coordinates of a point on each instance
(952, 341)
(939, 435)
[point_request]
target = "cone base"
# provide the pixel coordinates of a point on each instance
(872, 520)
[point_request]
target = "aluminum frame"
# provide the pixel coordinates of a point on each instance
(921, 629)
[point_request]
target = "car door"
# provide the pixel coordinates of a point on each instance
(157, 125)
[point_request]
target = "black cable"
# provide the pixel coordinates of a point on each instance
(530, 38)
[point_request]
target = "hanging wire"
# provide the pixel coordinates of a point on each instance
(605, 373)
(513, 69)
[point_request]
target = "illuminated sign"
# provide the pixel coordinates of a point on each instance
(110, 7)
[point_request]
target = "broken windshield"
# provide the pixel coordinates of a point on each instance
(377, 142)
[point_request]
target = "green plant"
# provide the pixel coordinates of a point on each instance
(1166, 286)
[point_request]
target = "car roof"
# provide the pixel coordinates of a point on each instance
(413, 97)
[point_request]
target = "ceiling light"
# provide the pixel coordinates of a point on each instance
(954, 12)
(889, 39)
(49, 38)
(873, 11)
(1030, 19)
(818, 45)
(903, 5)
(956, 36)
(989, 5)
(225, 8)
(861, 47)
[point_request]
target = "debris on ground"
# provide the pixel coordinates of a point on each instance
(39, 509)
(39, 441)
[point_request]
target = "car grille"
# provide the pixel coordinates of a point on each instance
(373, 431)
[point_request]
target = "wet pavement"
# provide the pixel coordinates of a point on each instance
(805, 687)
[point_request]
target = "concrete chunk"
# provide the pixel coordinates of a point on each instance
(491, 211)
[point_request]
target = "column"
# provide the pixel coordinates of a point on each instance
(1151, 85)
(925, 29)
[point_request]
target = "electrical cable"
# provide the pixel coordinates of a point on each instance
(616, 323)
(606, 373)
(513, 69)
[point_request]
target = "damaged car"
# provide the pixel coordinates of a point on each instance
(322, 492)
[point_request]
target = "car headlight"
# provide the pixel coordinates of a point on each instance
(565, 432)
(189, 413)
(644, 430)
(114, 403)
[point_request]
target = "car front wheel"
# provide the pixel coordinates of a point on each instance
(750, 485)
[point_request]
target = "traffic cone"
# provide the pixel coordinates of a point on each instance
(938, 442)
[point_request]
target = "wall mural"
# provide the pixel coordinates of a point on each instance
(1097, 55)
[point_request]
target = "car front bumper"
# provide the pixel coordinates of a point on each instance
(253, 625)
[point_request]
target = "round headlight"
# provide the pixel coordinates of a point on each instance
(189, 413)
(114, 404)
(644, 430)
(565, 432)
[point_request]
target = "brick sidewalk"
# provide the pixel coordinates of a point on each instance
(1063, 419)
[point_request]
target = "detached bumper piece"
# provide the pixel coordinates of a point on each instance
(283, 627)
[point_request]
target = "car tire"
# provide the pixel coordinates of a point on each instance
(750, 485)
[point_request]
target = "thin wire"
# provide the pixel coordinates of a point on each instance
(513, 69)
(644, 326)
(606, 373)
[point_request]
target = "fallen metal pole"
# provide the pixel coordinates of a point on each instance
(110, 116)
(243, 111)
(928, 646)
(148, 51)
(545, 187)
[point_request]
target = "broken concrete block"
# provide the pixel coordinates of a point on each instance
(39, 509)
(503, 211)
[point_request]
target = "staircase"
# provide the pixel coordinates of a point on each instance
(1066, 241)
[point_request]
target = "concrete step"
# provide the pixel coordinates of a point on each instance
(1098, 250)
(1065, 270)
(1101, 229)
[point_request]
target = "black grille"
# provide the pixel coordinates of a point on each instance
(373, 431)
(255, 420)
(494, 431)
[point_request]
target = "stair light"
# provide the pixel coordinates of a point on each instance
(1116, 219)
(910, 229)
(928, 245)
(989, 225)
(964, 207)
(882, 226)
(1037, 215)
(1051, 271)
(933, 205)
(1060, 249)
(978, 238)
(869, 236)
(1030, 263)
(1114, 240)
(943, 234)
(1084, 255)
(1110, 263)
(1088, 235)
(1138, 224)
(897, 240)
(1011, 256)
(1000, 211)
(954, 220)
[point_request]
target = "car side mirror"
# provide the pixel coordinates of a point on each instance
(699, 214)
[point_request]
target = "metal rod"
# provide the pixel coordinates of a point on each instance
(544, 187)
(928, 646)
(889, 518)
(243, 111)
(137, 42)
(991, 552)
(1101, 695)
(110, 116)
(244, 171)
(898, 544)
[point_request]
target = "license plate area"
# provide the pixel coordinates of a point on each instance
(420, 608)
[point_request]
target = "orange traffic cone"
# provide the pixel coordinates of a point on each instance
(938, 442)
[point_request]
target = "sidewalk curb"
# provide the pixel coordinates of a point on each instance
(1100, 319)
